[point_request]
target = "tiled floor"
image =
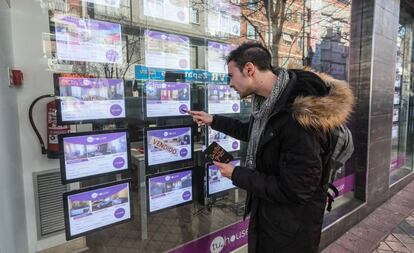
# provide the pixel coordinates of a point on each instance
(401, 238)
(390, 228)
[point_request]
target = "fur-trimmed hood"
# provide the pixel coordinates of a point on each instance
(324, 112)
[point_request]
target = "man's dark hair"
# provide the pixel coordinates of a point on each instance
(253, 52)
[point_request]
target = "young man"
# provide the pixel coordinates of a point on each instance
(293, 112)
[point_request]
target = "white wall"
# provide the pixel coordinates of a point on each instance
(13, 236)
(29, 21)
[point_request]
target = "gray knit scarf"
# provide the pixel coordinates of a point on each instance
(261, 111)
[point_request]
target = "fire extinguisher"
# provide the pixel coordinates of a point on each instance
(53, 129)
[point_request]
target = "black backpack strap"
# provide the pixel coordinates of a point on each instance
(331, 198)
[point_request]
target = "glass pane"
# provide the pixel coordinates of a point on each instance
(401, 156)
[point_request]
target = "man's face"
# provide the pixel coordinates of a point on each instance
(242, 82)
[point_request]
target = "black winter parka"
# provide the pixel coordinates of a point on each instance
(285, 199)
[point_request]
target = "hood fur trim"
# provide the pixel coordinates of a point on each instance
(325, 112)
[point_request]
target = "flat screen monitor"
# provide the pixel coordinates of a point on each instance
(170, 189)
(168, 145)
(91, 209)
(229, 143)
(222, 99)
(91, 154)
(216, 182)
(167, 99)
(89, 100)
(88, 40)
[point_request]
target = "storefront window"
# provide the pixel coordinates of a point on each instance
(401, 156)
(126, 71)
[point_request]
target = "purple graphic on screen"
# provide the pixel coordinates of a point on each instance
(235, 107)
(235, 145)
(181, 15)
(186, 195)
(183, 63)
(119, 213)
(112, 55)
(119, 162)
(116, 110)
(183, 109)
(99, 193)
(183, 152)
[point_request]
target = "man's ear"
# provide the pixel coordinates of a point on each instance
(250, 69)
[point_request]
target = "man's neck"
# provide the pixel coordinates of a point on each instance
(265, 83)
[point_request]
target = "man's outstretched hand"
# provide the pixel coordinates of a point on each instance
(201, 118)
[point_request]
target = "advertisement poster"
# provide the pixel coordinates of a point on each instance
(217, 53)
(98, 208)
(165, 50)
(91, 98)
(223, 18)
(171, 10)
(227, 142)
(167, 99)
(218, 183)
(88, 40)
(96, 154)
(169, 145)
(170, 190)
(222, 99)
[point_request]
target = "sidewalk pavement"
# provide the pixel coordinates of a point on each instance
(390, 228)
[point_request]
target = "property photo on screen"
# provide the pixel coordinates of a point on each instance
(91, 209)
(229, 143)
(218, 183)
(166, 99)
(222, 99)
(167, 145)
(94, 153)
(169, 190)
(87, 99)
(87, 40)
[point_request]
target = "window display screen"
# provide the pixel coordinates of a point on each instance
(88, 40)
(87, 99)
(222, 99)
(167, 99)
(223, 18)
(218, 183)
(227, 142)
(169, 190)
(93, 154)
(165, 50)
(166, 145)
(172, 10)
(88, 210)
(217, 53)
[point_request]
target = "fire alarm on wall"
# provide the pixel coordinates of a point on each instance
(15, 77)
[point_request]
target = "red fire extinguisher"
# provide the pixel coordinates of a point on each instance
(53, 129)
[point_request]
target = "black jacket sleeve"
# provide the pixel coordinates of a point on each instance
(233, 127)
(300, 169)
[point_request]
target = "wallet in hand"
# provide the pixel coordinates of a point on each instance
(217, 153)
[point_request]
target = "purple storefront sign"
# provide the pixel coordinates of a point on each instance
(397, 162)
(222, 241)
(345, 184)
